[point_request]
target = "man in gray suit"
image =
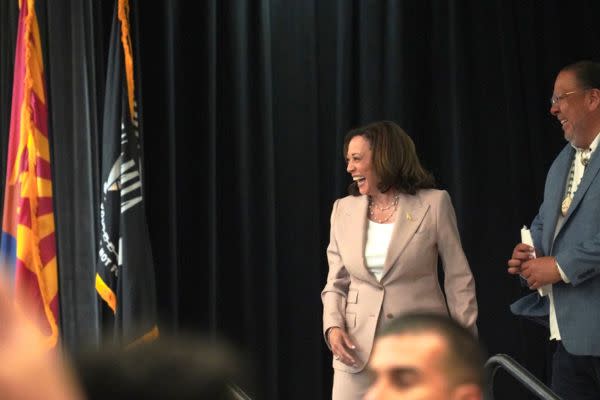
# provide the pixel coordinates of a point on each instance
(565, 263)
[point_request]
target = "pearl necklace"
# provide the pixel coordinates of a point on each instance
(393, 206)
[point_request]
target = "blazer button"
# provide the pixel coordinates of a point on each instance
(390, 316)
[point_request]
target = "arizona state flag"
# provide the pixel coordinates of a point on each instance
(125, 270)
(28, 248)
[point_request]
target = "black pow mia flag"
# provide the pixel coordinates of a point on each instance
(125, 270)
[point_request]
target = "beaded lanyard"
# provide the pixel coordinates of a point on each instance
(566, 203)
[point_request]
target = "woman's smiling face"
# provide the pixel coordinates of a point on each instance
(360, 166)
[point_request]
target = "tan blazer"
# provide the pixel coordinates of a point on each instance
(353, 298)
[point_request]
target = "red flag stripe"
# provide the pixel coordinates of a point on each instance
(39, 114)
(45, 206)
(27, 288)
(42, 168)
(47, 248)
(24, 162)
(24, 214)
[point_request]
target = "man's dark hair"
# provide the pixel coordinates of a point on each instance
(587, 73)
(464, 359)
(165, 369)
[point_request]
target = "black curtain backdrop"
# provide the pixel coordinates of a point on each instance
(245, 104)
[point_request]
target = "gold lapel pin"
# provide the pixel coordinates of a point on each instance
(408, 217)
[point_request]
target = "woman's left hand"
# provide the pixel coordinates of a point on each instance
(341, 346)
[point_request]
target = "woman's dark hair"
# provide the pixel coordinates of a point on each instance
(395, 159)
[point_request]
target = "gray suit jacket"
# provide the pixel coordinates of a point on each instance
(577, 250)
(354, 300)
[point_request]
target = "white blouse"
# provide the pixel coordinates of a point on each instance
(378, 241)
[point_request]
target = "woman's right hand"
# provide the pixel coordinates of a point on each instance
(341, 346)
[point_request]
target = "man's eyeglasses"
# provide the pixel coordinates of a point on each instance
(556, 99)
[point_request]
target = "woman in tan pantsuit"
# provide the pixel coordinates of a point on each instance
(383, 252)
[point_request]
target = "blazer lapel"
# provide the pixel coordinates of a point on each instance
(554, 197)
(586, 180)
(410, 215)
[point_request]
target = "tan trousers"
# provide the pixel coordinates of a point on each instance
(347, 386)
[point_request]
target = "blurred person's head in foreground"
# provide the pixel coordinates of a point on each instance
(429, 357)
(168, 368)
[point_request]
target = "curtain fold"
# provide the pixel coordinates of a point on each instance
(76, 65)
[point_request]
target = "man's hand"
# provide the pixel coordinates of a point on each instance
(521, 253)
(540, 271)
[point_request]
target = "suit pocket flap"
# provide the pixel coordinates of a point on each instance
(352, 296)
